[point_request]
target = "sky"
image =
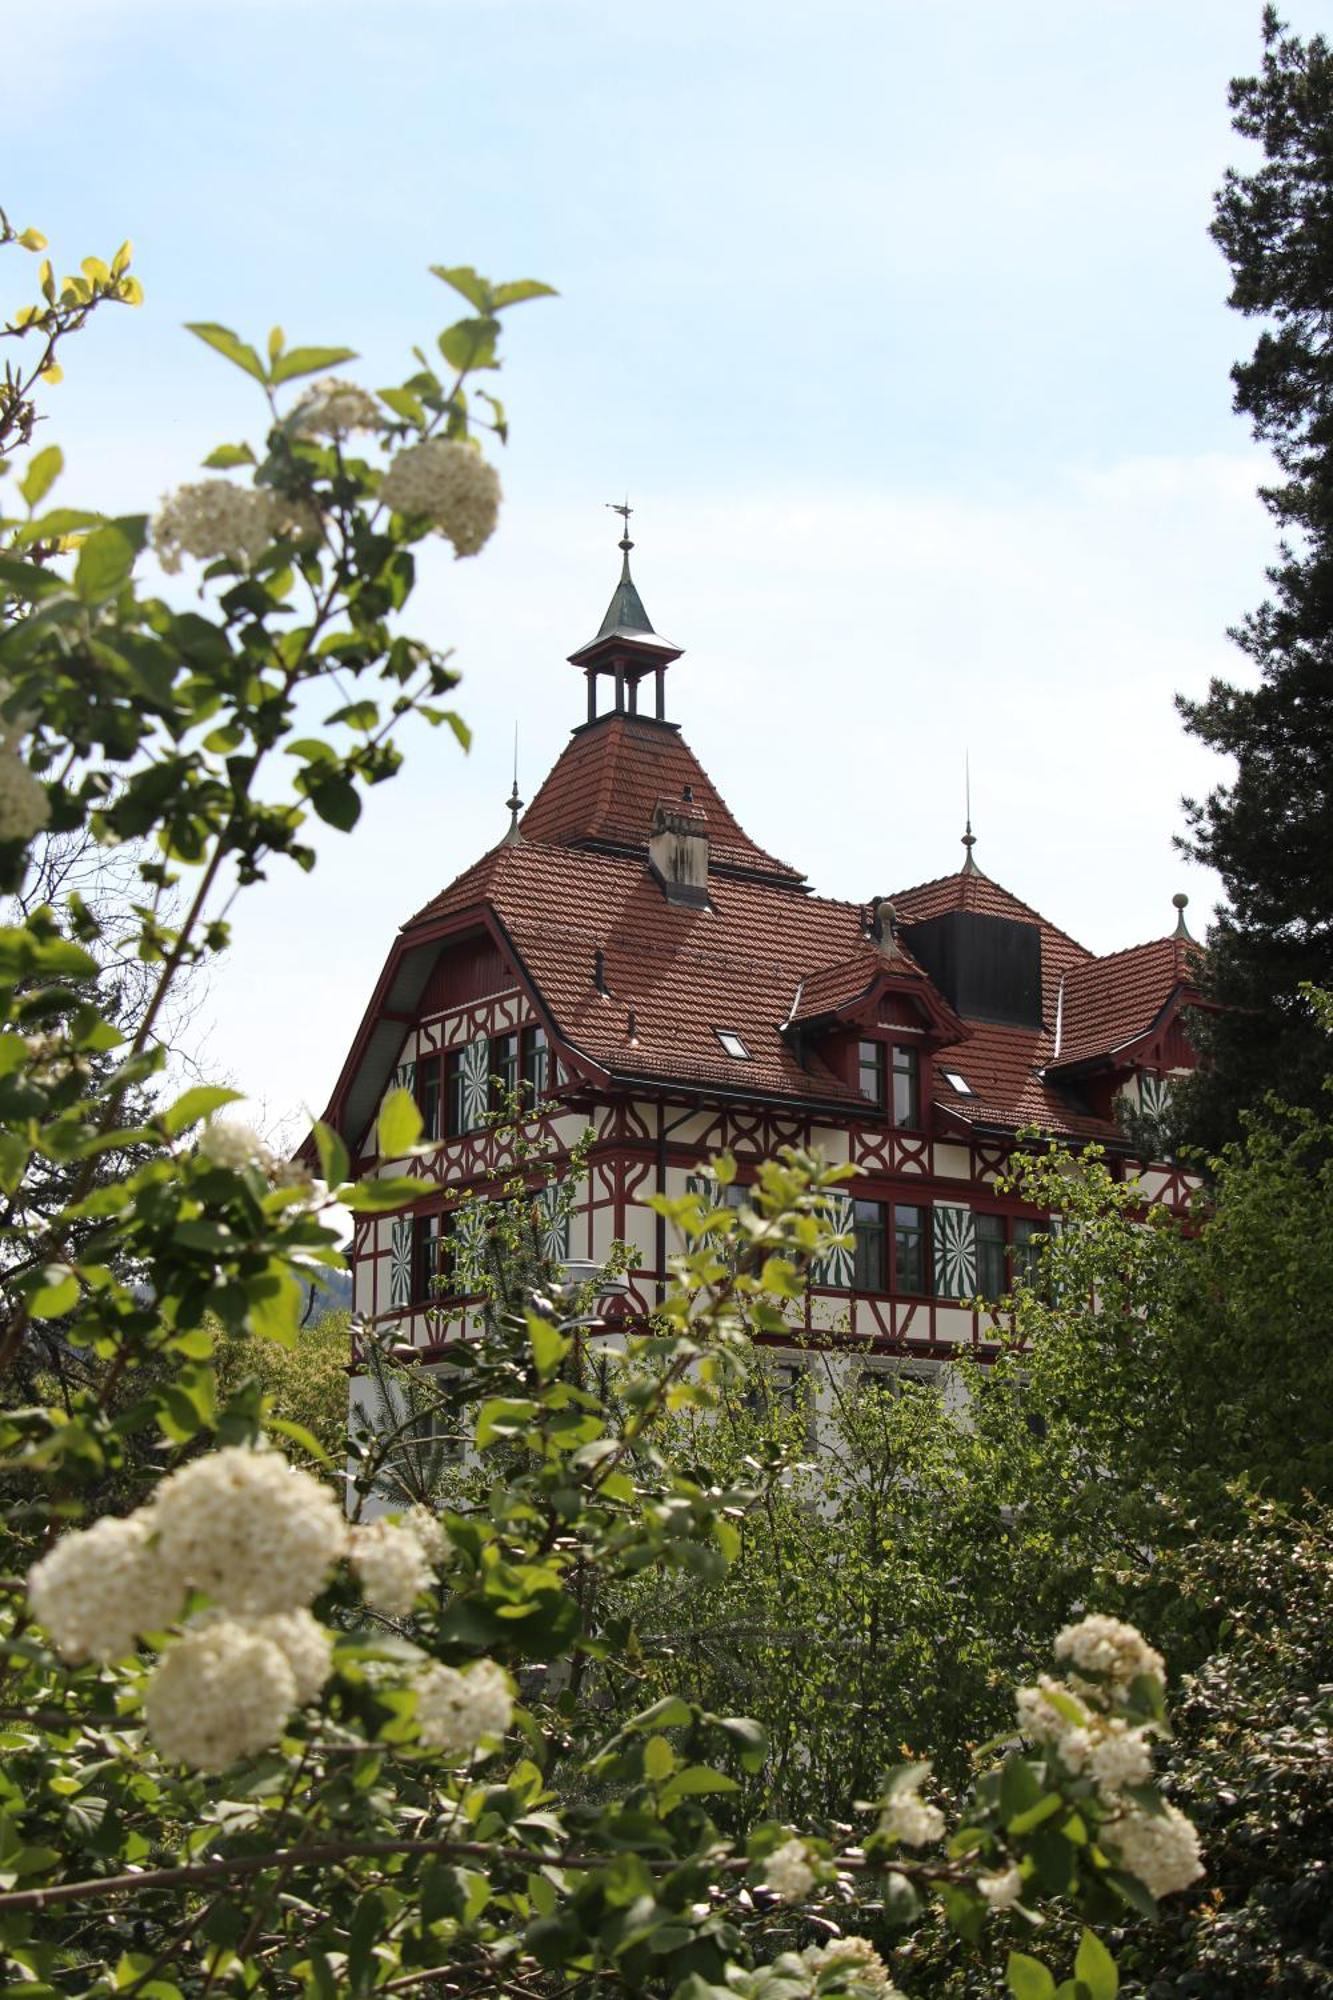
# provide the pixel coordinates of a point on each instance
(898, 321)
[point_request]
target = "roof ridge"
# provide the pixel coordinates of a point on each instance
(980, 875)
(1124, 951)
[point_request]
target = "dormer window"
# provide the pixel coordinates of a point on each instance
(871, 1072)
(733, 1044)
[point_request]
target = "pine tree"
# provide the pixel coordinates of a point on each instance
(1268, 830)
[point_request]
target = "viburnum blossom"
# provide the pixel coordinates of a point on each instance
(860, 1963)
(429, 1531)
(455, 1710)
(391, 1564)
(254, 1532)
(1002, 1890)
(332, 408)
(787, 1872)
(906, 1816)
(1122, 1757)
(25, 807)
(452, 484)
(1110, 1648)
(1162, 1849)
(214, 517)
(226, 1142)
(304, 1644)
(100, 1587)
(222, 1692)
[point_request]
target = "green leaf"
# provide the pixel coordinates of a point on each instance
(470, 343)
(44, 468)
(226, 343)
(394, 1191)
(57, 1293)
(275, 1302)
(1095, 1968)
(198, 1102)
(309, 361)
(105, 561)
(549, 1347)
(227, 455)
(309, 1443)
(1027, 1978)
(1020, 1787)
(399, 1124)
(475, 289)
(1045, 1809)
(519, 289)
(697, 1780)
(659, 1759)
(334, 1164)
(334, 799)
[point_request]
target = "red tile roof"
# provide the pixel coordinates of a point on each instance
(1110, 1002)
(610, 776)
(764, 953)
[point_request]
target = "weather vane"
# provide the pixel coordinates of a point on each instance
(623, 508)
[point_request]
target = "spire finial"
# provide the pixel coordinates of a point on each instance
(623, 508)
(969, 838)
(1180, 903)
(515, 804)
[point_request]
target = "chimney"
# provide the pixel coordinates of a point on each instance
(678, 851)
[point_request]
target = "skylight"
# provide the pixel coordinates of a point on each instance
(733, 1044)
(958, 1083)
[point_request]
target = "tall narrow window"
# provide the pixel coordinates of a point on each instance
(870, 1072)
(909, 1249)
(992, 1257)
(1026, 1253)
(868, 1233)
(456, 1091)
(504, 1071)
(428, 1097)
(536, 1065)
(906, 1089)
(432, 1258)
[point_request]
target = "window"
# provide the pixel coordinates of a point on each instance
(456, 1077)
(893, 1379)
(431, 1274)
(868, 1255)
(870, 1072)
(733, 1044)
(504, 1071)
(992, 1257)
(957, 1083)
(1027, 1254)
(428, 1097)
(909, 1249)
(536, 1065)
(906, 1089)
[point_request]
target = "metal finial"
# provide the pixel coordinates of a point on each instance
(514, 802)
(1180, 903)
(969, 838)
(623, 508)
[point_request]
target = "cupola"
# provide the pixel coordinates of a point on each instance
(626, 649)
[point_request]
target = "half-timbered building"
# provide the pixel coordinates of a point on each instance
(631, 959)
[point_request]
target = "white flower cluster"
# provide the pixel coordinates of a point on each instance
(259, 1538)
(1112, 1650)
(456, 1710)
(787, 1872)
(452, 484)
(393, 1560)
(1002, 1890)
(225, 1142)
(1089, 1735)
(254, 1532)
(332, 408)
(906, 1816)
(100, 1587)
(859, 1962)
(25, 807)
(1161, 1848)
(213, 517)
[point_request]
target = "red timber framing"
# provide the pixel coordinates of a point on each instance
(694, 996)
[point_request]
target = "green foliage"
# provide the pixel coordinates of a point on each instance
(303, 1383)
(1269, 828)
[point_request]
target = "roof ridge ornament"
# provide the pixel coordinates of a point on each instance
(969, 838)
(513, 838)
(1181, 933)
